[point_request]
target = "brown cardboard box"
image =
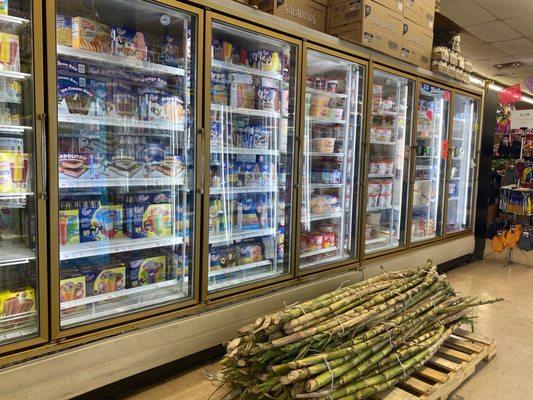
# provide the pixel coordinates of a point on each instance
(421, 12)
(395, 5)
(377, 27)
(417, 44)
(309, 13)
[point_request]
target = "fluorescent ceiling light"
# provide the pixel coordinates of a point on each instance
(497, 88)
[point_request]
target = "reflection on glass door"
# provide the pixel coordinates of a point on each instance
(18, 221)
(388, 162)
(431, 151)
(462, 165)
(332, 129)
(126, 126)
(251, 150)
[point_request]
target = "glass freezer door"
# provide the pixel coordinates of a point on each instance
(431, 152)
(19, 279)
(388, 162)
(251, 156)
(126, 126)
(462, 163)
(332, 130)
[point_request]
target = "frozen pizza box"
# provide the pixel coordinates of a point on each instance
(417, 44)
(375, 26)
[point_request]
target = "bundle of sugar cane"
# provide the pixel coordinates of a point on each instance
(350, 343)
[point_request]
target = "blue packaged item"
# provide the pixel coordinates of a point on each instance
(100, 222)
(280, 242)
(151, 215)
(74, 95)
(66, 65)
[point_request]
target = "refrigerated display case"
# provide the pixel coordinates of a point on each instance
(251, 122)
(388, 162)
(461, 170)
(332, 126)
(430, 156)
(126, 128)
(21, 281)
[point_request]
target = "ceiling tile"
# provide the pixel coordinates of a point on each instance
(494, 31)
(514, 46)
(521, 24)
(466, 12)
(508, 8)
(483, 52)
(469, 41)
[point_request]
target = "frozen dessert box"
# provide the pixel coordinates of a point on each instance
(91, 35)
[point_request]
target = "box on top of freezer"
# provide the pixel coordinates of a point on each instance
(309, 13)
(421, 12)
(417, 44)
(394, 5)
(378, 27)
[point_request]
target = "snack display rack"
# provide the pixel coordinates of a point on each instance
(388, 161)
(126, 158)
(329, 180)
(431, 152)
(461, 170)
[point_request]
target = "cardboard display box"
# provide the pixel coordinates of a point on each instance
(417, 44)
(421, 12)
(368, 23)
(395, 5)
(309, 13)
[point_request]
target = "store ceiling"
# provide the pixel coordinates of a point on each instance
(496, 32)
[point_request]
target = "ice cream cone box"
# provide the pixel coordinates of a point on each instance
(74, 94)
(368, 23)
(417, 44)
(91, 35)
(147, 271)
(73, 288)
(309, 13)
(69, 226)
(14, 171)
(149, 215)
(421, 12)
(100, 222)
(17, 302)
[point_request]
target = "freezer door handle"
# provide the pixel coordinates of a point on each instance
(44, 159)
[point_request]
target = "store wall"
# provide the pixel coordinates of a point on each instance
(85, 368)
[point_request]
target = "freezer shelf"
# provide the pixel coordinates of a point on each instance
(246, 279)
(14, 252)
(230, 236)
(320, 217)
(246, 70)
(243, 150)
(15, 128)
(317, 252)
(120, 122)
(69, 182)
(119, 61)
(246, 111)
(89, 249)
(242, 189)
(238, 268)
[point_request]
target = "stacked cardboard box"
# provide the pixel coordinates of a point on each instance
(451, 63)
(400, 28)
(309, 13)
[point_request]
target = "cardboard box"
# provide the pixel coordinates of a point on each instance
(309, 13)
(395, 5)
(91, 35)
(378, 27)
(417, 44)
(421, 12)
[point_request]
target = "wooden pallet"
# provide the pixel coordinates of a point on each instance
(455, 362)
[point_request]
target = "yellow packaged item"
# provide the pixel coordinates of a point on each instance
(91, 35)
(17, 302)
(9, 52)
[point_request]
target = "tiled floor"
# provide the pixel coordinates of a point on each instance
(508, 376)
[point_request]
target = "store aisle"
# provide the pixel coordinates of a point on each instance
(507, 376)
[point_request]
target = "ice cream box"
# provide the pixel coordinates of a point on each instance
(72, 165)
(91, 35)
(110, 278)
(74, 95)
(222, 257)
(147, 271)
(250, 253)
(280, 242)
(172, 108)
(73, 288)
(4, 6)
(64, 30)
(69, 226)
(242, 95)
(9, 52)
(128, 43)
(168, 51)
(150, 102)
(151, 216)
(252, 174)
(183, 222)
(66, 65)
(268, 99)
(100, 223)
(17, 302)
(10, 90)
(14, 171)
(121, 100)
(172, 166)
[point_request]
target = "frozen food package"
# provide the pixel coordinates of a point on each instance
(63, 30)
(91, 35)
(9, 52)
